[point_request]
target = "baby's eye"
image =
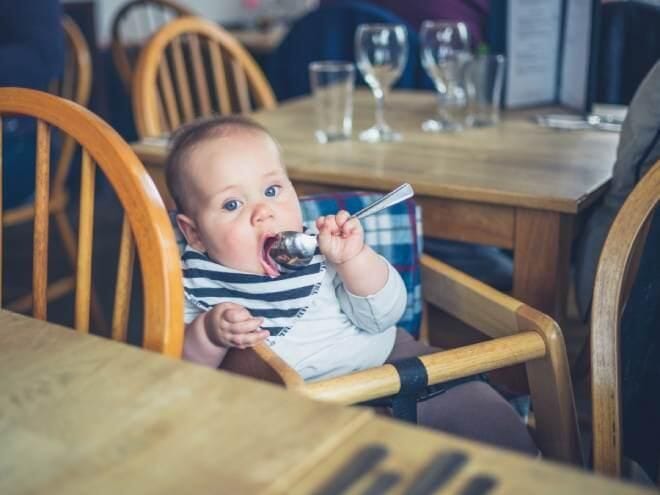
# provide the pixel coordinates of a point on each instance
(231, 205)
(272, 191)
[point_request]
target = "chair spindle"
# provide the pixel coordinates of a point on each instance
(40, 247)
(123, 286)
(219, 78)
(200, 75)
(85, 236)
(183, 85)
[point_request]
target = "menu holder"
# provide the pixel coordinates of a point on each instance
(551, 50)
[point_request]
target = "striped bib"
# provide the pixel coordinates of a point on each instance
(279, 301)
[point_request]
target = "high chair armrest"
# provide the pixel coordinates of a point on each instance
(443, 366)
(262, 363)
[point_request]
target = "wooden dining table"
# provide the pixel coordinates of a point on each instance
(516, 185)
(81, 414)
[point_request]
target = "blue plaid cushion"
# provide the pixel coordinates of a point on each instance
(395, 233)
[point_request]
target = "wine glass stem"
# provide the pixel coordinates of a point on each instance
(379, 96)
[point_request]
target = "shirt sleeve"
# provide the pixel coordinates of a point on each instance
(378, 312)
(190, 311)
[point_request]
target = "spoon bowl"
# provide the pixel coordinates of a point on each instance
(295, 250)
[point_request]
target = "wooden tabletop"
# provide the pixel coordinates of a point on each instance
(412, 461)
(515, 163)
(81, 414)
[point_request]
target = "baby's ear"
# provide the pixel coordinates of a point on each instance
(189, 230)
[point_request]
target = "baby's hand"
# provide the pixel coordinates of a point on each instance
(231, 325)
(340, 239)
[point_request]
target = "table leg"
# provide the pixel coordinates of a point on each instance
(542, 243)
(542, 247)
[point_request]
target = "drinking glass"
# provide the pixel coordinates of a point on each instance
(381, 51)
(444, 52)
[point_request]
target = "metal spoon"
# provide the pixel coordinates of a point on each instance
(294, 250)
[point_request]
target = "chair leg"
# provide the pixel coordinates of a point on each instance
(70, 246)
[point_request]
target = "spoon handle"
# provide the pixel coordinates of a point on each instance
(401, 193)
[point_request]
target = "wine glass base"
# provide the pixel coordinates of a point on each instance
(433, 125)
(380, 135)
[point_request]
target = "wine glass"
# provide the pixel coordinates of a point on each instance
(381, 51)
(444, 52)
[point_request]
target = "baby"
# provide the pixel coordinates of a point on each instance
(331, 318)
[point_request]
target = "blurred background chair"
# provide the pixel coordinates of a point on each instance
(629, 46)
(193, 68)
(625, 336)
(133, 25)
(75, 85)
(511, 333)
(146, 227)
(328, 33)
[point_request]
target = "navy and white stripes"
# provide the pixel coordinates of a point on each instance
(280, 301)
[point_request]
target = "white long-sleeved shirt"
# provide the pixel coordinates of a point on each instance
(340, 332)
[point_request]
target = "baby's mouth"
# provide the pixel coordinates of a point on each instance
(271, 268)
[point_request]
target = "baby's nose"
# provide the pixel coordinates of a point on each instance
(261, 213)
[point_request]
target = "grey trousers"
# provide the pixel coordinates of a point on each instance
(471, 410)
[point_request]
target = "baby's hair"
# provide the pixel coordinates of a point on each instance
(188, 136)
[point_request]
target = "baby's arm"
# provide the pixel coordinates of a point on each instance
(341, 240)
(379, 311)
(212, 333)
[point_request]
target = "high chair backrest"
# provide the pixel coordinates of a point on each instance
(394, 233)
(193, 68)
(146, 228)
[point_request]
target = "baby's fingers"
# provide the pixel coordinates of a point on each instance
(245, 340)
(236, 314)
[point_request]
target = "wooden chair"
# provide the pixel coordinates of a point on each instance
(133, 24)
(618, 268)
(193, 68)
(515, 334)
(75, 84)
(145, 228)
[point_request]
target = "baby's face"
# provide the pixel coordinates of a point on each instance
(240, 196)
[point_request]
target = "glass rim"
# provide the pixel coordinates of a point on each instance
(441, 22)
(332, 65)
(381, 25)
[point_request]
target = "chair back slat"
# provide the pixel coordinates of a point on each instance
(241, 85)
(225, 77)
(183, 86)
(219, 78)
(201, 84)
(85, 235)
(124, 283)
(40, 246)
(165, 82)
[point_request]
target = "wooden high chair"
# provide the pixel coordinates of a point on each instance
(146, 226)
(514, 333)
(193, 68)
